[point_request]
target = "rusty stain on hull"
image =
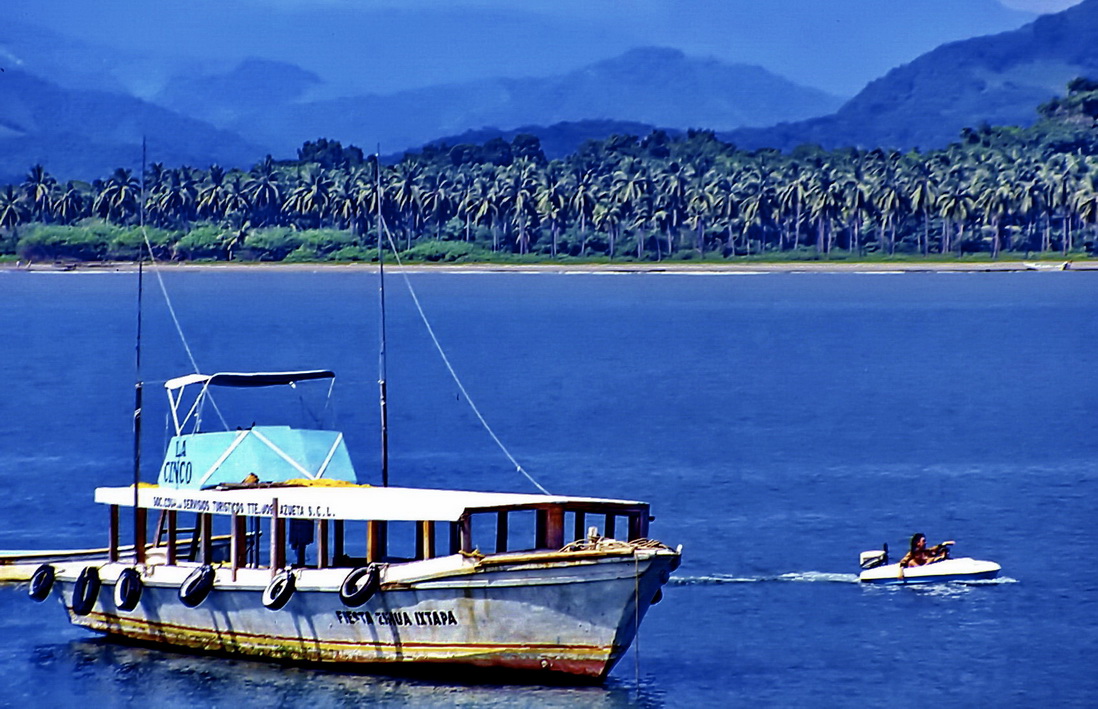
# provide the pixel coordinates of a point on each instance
(587, 661)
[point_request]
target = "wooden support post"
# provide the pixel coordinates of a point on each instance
(376, 542)
(466, 534)
(278, 540)
(579, 529)
(170, 557)
(337, 546)
(205, 522)
(322, 544)
(238, 552)
(554, 537)
(160, 521)
(455, 537)
(638, 525)
(112, 543)
(196, 538)
(611, 528)
(541, 533)
(501, 532)
(425, 539)
(141, 532)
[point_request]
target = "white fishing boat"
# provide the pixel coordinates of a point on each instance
(1047, 265)
(384, 578)
(876, 569)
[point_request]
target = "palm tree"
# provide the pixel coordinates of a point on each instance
(437, 199)
(890, 205)
(552, 201)
(208, 202)
(954, 207)
(173, 204)
(309, 199)
(408, 196)
(519, 188)
(995, 204)
(235, 202)
(825, 203)
(701, 198)
(630, 188)
(585, 196)
(264, 190)
(118, 200)
(921, 196)
(672, 183)
(70, 205)
(39, 187)
(13, 211)
(792, 198)
(607, 218)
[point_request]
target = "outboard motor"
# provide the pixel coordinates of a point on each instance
(873, 559)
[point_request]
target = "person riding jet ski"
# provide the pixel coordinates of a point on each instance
(919, 555)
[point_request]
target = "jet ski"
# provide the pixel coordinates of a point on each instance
(877, 569)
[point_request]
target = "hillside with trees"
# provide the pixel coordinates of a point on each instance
(995, 79)
(658, 197)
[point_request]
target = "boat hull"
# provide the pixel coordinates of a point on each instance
(962, 569)
(563, 618)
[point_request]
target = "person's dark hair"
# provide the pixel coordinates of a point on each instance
(915, 539)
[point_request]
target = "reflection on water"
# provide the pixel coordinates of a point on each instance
(111, 674)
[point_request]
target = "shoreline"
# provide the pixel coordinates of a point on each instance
(595, 268)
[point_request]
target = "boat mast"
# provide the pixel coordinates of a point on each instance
(381, 329)
(138, 518)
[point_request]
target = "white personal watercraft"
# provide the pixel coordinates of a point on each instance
(876, 569)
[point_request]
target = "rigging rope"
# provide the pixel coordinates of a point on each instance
(450, 367)
(175, 320)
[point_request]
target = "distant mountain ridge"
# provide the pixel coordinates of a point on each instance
(259, 84)
(86, 134)
(997, 79)
(656, 86)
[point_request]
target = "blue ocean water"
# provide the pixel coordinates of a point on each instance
(779, 424)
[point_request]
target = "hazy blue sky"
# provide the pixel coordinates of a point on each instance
(385, 45)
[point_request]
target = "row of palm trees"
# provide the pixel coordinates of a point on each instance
(616, 199)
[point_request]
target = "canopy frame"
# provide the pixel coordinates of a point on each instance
(176, 387)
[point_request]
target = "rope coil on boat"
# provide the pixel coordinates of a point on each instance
(614, 545)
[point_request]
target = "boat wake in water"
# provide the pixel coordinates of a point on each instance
(806, 577)
(792, 577)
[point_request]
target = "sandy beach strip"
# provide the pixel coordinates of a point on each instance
(743, 268)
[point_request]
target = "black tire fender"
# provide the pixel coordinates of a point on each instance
(42, 582)
(279, 590)
(86, 590)
(197, 586)
(127, 589)
(360, 585)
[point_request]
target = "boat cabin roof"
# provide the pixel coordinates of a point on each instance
(352, 502)
(248, 379)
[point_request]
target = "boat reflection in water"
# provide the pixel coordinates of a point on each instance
(132, 675)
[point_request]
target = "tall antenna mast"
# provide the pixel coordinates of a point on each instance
(138, 517)
(381, 329)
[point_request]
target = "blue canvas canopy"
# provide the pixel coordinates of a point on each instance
(196, 460)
